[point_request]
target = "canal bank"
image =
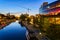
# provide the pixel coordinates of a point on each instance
(33, 33)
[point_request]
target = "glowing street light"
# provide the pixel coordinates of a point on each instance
(40, 33)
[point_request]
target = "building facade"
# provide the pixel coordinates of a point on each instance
(51, 9)
(48, 8)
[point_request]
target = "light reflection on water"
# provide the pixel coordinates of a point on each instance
(14, 31)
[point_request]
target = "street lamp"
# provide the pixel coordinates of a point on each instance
(40, 33)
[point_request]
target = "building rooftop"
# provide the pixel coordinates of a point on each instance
(53, 3)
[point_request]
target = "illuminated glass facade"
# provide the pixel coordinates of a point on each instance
(52, 7)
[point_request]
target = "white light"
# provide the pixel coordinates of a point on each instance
(48, 6)
(40, 33)
(17, 21)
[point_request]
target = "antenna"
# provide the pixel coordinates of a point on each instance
(28, 9)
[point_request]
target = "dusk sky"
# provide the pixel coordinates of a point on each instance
(22, 5)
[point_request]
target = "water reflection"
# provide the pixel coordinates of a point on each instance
(14, 31)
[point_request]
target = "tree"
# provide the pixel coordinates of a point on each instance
(53, 32)
(22, 17)
(28, 20)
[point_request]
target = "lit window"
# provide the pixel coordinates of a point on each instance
(48, 7)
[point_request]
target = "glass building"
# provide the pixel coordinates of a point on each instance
(48, 8)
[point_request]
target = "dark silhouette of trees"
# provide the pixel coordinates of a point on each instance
(22, 17)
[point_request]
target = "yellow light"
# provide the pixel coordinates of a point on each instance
(0, 16)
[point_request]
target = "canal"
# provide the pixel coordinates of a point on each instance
(13, 31)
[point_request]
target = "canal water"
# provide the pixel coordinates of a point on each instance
(13, 31)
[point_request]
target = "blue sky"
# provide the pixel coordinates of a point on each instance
(21, 5)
